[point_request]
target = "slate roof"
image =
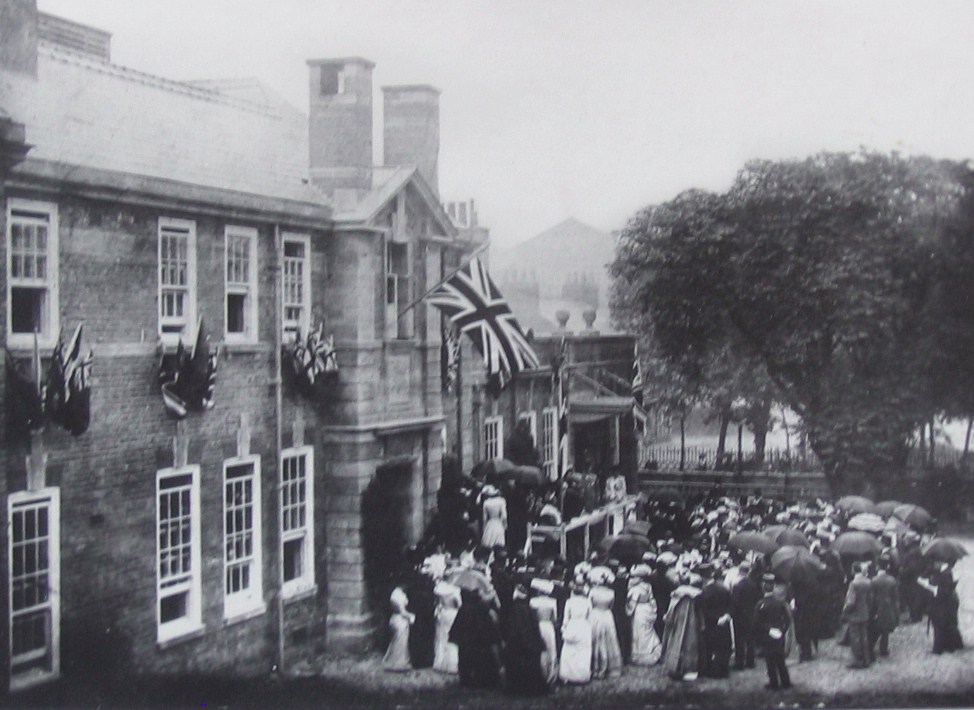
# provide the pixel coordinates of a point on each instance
(88, 112)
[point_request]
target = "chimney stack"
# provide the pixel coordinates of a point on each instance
(340, 124)
(411, 134)
(18, 36)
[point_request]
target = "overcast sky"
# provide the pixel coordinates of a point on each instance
(595, 109)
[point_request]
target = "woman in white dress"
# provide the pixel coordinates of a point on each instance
(546, 610)
(641, 606)
(447, 605)
(495, 518)
(576, 634)
(606, 652)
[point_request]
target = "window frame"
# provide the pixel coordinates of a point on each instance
(48, 336)
(250, 289)
(549, 444)
(532, 419)
(305, 584)
(20, 499)
(303, 324)
(396, 327)
(251, 601)
(189, 308)
(497, 420)
(193, 621)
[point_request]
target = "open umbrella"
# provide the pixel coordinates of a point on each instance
(748, 540)
(886, 507)
(795, 564)
(867, 522)
(857, 545)
(530, 476)
(855, 504)
(491, 467)
(914, 516)
(943, 549)
(791, 536)
(895, 525)
(773, 531)
(628, 548)
(472, 581)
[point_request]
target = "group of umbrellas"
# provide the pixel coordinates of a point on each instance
(789, 548)
(498, 471)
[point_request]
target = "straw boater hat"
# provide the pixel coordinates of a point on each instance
(640, 571)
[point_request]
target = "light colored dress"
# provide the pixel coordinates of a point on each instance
(397, 654)
(576, 633)
(495, 522)
(641, 606)
(447, 605)
(546, 609)
(606, 653)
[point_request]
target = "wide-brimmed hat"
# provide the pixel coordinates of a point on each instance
(640, 571)
(489, 491)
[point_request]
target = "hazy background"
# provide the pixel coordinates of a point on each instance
(595, 109)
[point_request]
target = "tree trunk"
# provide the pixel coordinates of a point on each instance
(740, 458)
(933, 439)
(725, 417)
(784, 425)
(967, 440)
(683, 441)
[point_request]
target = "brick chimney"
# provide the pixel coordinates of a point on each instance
(18, 36)
(411, 133)
(340, 124)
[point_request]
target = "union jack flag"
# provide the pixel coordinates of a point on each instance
(68, 397)
(476, 307)
(188, 379)
(315, 355)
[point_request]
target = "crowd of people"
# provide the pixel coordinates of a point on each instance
(698, 600)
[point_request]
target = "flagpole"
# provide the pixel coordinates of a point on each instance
(442, 281)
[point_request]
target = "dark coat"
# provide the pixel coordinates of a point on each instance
(858, 601)
(886, 602)
(744, 597)
(771, 613)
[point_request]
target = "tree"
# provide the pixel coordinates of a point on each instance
(822, 272)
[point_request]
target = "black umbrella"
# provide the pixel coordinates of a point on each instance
(749, 540)
(791, 536)
(857, 545)
(913, 515)
(530, 476)
(628, 548)
(886, 507)
(944, 549)
(491, 467)
(796, 565)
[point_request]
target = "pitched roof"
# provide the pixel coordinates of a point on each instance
(88, 112)
(387, 182)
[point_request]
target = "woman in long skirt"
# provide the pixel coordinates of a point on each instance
(546, 611)
(397, 654)
(478, 640)
(606, 653)
(447, 606)
(576, 633)
(495, 518)
(681, 635)
(641, 607)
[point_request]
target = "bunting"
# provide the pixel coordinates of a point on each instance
(313, 356)
(68, 391)
(188, 378)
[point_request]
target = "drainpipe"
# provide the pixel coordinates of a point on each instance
(279, 437)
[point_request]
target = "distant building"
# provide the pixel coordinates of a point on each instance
(563, 269)
(261, 532)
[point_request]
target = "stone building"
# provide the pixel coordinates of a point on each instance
(258, 533)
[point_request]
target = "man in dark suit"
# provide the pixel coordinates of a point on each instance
(771, 622)
(745, 595)
(714, 605)
(886, 608)
(857, 611)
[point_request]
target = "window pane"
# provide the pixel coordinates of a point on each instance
(236, 313)
(27, 309)
(173, 606)
(293, 559)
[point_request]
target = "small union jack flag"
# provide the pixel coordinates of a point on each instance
(475, 306)
(315, 355)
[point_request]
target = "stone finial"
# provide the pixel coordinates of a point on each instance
(562, 318)
(588, 315)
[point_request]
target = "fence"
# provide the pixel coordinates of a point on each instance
(802, 486)
(704, 458)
